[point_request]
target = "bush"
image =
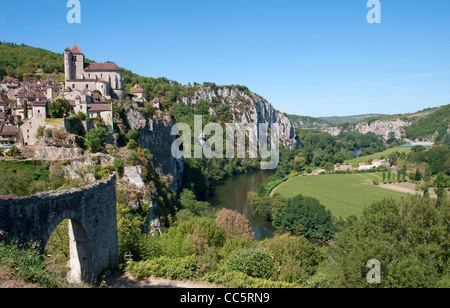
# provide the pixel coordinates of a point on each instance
(40, 131)
(96, 139)
(237, 280)
(27, 265)
(234, 223)
(14, 152)
(254, 262)
(215, 234)
(176, 269)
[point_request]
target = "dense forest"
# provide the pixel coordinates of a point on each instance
(26, 63)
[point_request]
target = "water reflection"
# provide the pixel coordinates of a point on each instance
(233, 194)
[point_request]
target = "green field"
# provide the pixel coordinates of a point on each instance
(364, 159)
(343, 194)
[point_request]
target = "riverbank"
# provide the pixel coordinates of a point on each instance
(232, 194)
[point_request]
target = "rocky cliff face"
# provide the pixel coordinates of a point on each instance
(155, 135)
(383, 128)
(248, 107)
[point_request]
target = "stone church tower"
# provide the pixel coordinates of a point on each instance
(104, 77)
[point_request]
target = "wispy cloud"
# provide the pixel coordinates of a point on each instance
(390, 86)
(272, 12)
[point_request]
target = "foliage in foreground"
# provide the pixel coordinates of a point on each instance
(27, 264)
(409, 238)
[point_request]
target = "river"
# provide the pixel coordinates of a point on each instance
(232, 194)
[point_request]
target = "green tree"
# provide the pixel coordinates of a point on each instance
(418, 175)
(96, 139)
(59, 108)
(188, 201)
(305, 216)
(409, 238)
(25, 109)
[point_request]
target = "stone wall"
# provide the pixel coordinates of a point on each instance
(91, 211)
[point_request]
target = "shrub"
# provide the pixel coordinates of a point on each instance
(197, 242)
(215, 234)
(176, 269)
(48, 133)
(96, 139)
(118, 166)
(238, 280)
(234, 222)
(14, 152)
(40, 131)
(236, 243)
(27, 264)
(132, 144)
(254, 262)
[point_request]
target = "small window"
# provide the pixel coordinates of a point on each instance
(87, 86)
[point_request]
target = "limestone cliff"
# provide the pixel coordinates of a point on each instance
(155, 135)
(383, 128)
(247, 107)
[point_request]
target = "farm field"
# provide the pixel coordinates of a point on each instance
(364, 159)
(343, 194)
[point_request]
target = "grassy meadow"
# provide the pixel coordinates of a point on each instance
(364, 159)
(343, 194)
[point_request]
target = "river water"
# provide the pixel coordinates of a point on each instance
(232, 194)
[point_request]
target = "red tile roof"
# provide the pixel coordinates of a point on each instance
(8, 130)
(4, 99)
(99, 107)
(137, 89)
(101, 67)
(75, 50)
(10, 79)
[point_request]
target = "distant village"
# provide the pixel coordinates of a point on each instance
(90, 88)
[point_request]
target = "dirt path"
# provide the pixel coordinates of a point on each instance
(126, 281)
(407, 188)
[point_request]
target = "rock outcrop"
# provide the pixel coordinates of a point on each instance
(384, 128)
(49, 148)
(155, 135)
(248, 107)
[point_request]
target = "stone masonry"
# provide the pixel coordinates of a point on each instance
(91, 212)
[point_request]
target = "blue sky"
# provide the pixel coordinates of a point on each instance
(307, 57)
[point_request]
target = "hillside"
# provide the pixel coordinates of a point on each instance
(350, 119)
(431, 124)
(305, 122)
(25, 63)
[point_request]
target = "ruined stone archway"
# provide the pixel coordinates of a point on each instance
(91, 211)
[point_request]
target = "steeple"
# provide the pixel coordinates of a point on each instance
(75, 50)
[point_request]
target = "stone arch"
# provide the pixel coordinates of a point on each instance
(91, 212)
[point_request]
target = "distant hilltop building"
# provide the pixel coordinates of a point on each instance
(104, 77)
(138, 93)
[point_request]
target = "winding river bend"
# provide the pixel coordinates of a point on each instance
(232, 194)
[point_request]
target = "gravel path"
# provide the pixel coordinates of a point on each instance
(126, 281)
